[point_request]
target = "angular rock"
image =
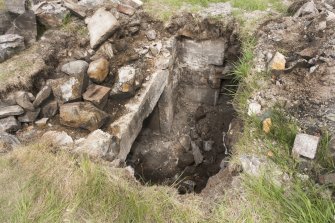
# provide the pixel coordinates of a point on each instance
(100, 31)
(69, 89)
(75, 67)
(57, 138)
(278, 62)
(10, 44)
(151, 35)
(254, 108)
(42, 96)
(97, 94)
(125, 9)
(97, 144)
(22, 98)
(50, 109)
(6, 21)
(125, 82)
(185, 141)
(305, 145)
(105, 50)
(253, 165)
(82, 115)
(42, 122)
(133, 3)
(16, 6)
(10, 111)
(29, 116)
(98, 70)
(76, 9)
(8, 141)
(308, 8)
(25, 25)
(198, 157)
(327, 179)
(50, 14)
(9, 124)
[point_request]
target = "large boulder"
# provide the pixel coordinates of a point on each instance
(60, 139)
(50, 14)
(82, 115)
(75, 67)
(97, 94)
(100, 31)
(25, 25)
(16, 6)
(98, 70)
(8, 142)
(6, 21)
(42, 96)
(9, 124)
(10, 44)
(10, 110)
(22, 98)
(97, 144)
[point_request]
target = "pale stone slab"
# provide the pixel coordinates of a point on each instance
(305, 145)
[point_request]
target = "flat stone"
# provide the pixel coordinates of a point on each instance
(125, 9)
(133, 3)
(9, 124)
(50, 14)
(82, 115)
(97, 94)
(8, 141)
(254, 108)
(97, 144)
(50, 109)
(75, 67)
(125, 82)
(42, 96)
(16, 6)
(198, 157)
(22, 98)
(151, 35)
(70, 88)
(10, 44)
(99, 31)
(29, 116)
(305, 145)
(76, 9)
(10, 111)
(25, 25)
(98, 70)
(42, 122)
(278, 62)
(57, 138)
(126, 128)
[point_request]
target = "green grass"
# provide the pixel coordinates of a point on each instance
(37, 185)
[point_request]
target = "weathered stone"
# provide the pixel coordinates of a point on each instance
(151, 35)
(254, 108)
(10, 44)
(29, 116)
(105, 50)
(42, 122)
(308, 8)
(327, 179)
(98, 70)
(69, 89)
(198, 55)
(277, 62)
(59, 139)
(75, 67)
(126, 128)
(31, 96)
(305, 145)
(253, 165)
(50, 14)
(97, 94)
(97, 144)
(133, 3)
(50, 109)
(198, 157)
(76, 9)
(125, 9)
(125, 82)
(99, 31)
(22, 98)
(10, 111)
(185, 141)
(9, 124)
(43, 95)
(16, 6)
(6, 21)
(82, 115)
(208, 145)
(8, 141)
(25, 25)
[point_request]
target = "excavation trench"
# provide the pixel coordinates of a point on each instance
(183, 141)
